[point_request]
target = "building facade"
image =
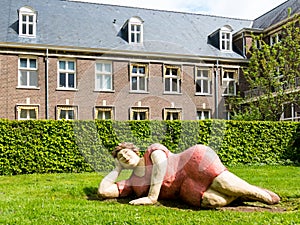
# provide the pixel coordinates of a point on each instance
(62, 59)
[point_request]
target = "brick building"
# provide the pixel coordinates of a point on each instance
(62, 59)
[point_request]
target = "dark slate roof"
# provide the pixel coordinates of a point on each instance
(90, 25)
(277, 14)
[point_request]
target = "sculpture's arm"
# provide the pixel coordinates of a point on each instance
(108, 187)
(159, 160)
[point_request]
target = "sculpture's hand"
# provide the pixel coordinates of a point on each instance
(143, 201)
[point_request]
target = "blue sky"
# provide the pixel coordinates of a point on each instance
(244, 9)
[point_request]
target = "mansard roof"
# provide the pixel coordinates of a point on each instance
(98, 27)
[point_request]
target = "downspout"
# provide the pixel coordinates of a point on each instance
(47, 86)
(217, 91)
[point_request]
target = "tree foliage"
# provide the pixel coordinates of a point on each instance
(273, 75)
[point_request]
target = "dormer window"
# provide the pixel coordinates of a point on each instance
(27, 22)
(226, 38)
(135, 34)
(133, 30)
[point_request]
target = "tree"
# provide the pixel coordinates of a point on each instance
(273, 75)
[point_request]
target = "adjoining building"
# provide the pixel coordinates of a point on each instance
(62, 59)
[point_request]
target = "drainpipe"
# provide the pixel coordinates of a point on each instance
(47, 85)
(217, 91)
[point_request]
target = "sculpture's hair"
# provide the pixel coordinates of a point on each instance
(124, 145)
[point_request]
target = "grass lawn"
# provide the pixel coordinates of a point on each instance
(71, 199)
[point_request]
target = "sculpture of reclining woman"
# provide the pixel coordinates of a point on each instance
(195, 176)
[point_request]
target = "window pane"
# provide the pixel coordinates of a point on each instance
(107, 68)
(132, 28)
(167, 84)
(198, 86)
(24, 18)
(107, 82)
(99, 67)
(71, 115)
(174, 85)
(132, 37)
(62, 80)
(63, 114)
(62, 65)
(23, 63)
(71, 80)
(30, 29)
(107, 115)
(24, 31)
(23, 114)
(142, 115)
(205, 86)
(175, 116)
(205, 73)
(71, 65)
(32, 63)
(33, 79)
(142, 70)
(23, 78)
(138, 27)
(134, 69)
(32, 114)
(30, 18)
(134, 83)
(174, 72)
(231, 87)
(138, 38)
(142, 83)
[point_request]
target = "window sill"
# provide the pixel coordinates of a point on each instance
(172, 93)
(28, 88)
(203, 94)
(104, 91)
(139, 92)
(67, 89)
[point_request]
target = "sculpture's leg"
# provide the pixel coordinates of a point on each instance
(229, 184)
(214, 199)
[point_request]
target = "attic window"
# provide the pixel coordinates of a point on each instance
(135, 30)
(226, 38)
(27, 22)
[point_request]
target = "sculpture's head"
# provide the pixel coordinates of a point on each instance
(127, 154)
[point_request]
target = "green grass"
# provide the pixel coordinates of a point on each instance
(71, 199)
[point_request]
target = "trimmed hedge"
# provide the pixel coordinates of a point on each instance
(50, 146)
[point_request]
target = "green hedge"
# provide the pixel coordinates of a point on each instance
(47, 146)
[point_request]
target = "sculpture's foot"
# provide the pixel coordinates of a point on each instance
(275, 197)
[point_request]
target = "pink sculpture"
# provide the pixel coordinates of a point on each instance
(196, 176)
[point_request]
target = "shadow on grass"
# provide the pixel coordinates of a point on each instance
(238, 205)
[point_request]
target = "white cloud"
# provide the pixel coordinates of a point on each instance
(245, 9)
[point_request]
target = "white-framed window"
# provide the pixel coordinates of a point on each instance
(135, 30)
(203, 81)
(139, 77)
(139, 113)
(172, 79)
(226, 38)
(28, 72)
(203, 114)
(229, 81)
(103, 79)
(27, 112)
(67, 112)
(104, 112)
(27, 22)
(275, 38)
(172, 114)
(66, 74)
